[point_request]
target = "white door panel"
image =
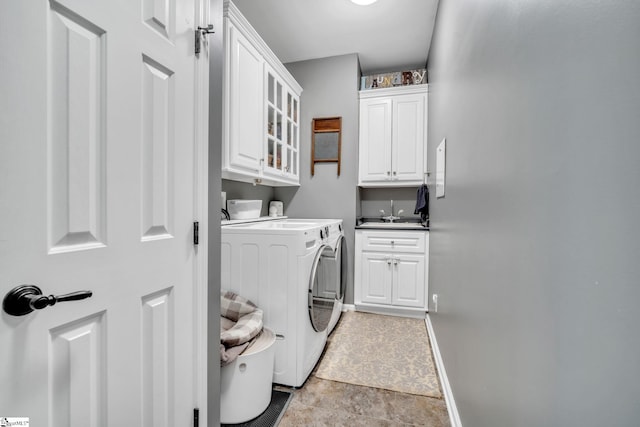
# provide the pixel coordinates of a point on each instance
(408, 137)
(409, 280)
(376, 278)
(375, 135)
(96, 123)
(245, 81)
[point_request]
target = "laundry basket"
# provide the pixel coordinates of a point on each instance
(245, 383)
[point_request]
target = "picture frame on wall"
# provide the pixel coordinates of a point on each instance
(326, 141)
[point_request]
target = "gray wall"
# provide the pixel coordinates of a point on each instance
(243, 190)
(535, 249)
(372, 200)
(330, 88)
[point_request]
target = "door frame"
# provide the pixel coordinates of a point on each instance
(201, 182)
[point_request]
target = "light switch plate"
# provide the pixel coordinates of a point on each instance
(440, 168)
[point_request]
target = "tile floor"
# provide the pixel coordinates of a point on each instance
(329, 403)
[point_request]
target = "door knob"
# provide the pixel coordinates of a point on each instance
(24, 299)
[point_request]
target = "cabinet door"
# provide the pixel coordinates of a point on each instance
(376, 277)
(245, 107)
(409, 280)
(292, 156)
(282, 128)
(408, 138)
(375, 140)
(275, 123)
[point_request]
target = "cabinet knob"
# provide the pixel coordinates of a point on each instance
(393, 242)
(388, 173)
(388, 261)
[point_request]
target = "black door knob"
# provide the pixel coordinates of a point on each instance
(24, 299)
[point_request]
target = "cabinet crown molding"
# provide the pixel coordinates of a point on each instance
(232, 12)
(395, 90)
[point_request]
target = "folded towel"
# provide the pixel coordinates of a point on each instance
(240, 322)
(422, 202)
(228, 355)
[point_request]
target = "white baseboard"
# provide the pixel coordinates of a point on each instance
(454, 416)
(348, 307)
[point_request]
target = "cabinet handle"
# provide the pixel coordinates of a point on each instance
(394, 173)
(395, 262)
(393, 242)
(388, 261)
(388, 173)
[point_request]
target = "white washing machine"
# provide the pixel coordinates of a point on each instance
(276, 265)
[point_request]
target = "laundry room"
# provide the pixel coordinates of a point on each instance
(335, 212)
(507, 88)
(326, 190)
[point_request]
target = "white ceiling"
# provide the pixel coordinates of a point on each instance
(389, 35)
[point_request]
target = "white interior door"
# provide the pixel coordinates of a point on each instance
(97, 193)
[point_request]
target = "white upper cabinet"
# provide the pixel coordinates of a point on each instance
(245, 118)
(262, 109)
(282, 129)
(393, 136)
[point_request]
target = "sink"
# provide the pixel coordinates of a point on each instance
(405, 225)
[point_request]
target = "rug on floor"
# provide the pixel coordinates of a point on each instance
(272, 415)
(387, 352)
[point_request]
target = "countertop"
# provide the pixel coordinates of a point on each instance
(404, 224)
(242, 221)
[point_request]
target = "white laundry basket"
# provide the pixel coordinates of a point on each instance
(246, 383)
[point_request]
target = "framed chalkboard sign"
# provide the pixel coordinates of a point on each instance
(326, 141)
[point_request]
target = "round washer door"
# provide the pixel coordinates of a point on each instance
(320, 308)
(342, 263)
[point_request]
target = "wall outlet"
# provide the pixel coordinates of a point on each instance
(434, 298)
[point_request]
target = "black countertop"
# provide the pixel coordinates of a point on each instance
(404, 224)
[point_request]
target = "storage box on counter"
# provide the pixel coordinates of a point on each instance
(244, 209)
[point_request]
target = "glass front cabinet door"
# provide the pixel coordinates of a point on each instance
(282, 129)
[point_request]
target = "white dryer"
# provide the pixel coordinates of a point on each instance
(339, 267)
(327, 293)
(275, 264)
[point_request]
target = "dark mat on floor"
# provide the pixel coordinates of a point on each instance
(271, 416)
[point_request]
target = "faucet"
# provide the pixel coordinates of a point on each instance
(392, 217)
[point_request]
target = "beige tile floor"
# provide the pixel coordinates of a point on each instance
(329, 403)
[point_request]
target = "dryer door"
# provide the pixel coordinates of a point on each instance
(320, 308)
(342, 262)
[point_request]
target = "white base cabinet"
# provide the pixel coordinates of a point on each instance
(391, 271)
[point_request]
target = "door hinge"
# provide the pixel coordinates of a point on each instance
(196, 232)
(196, 417)
(199, 32)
